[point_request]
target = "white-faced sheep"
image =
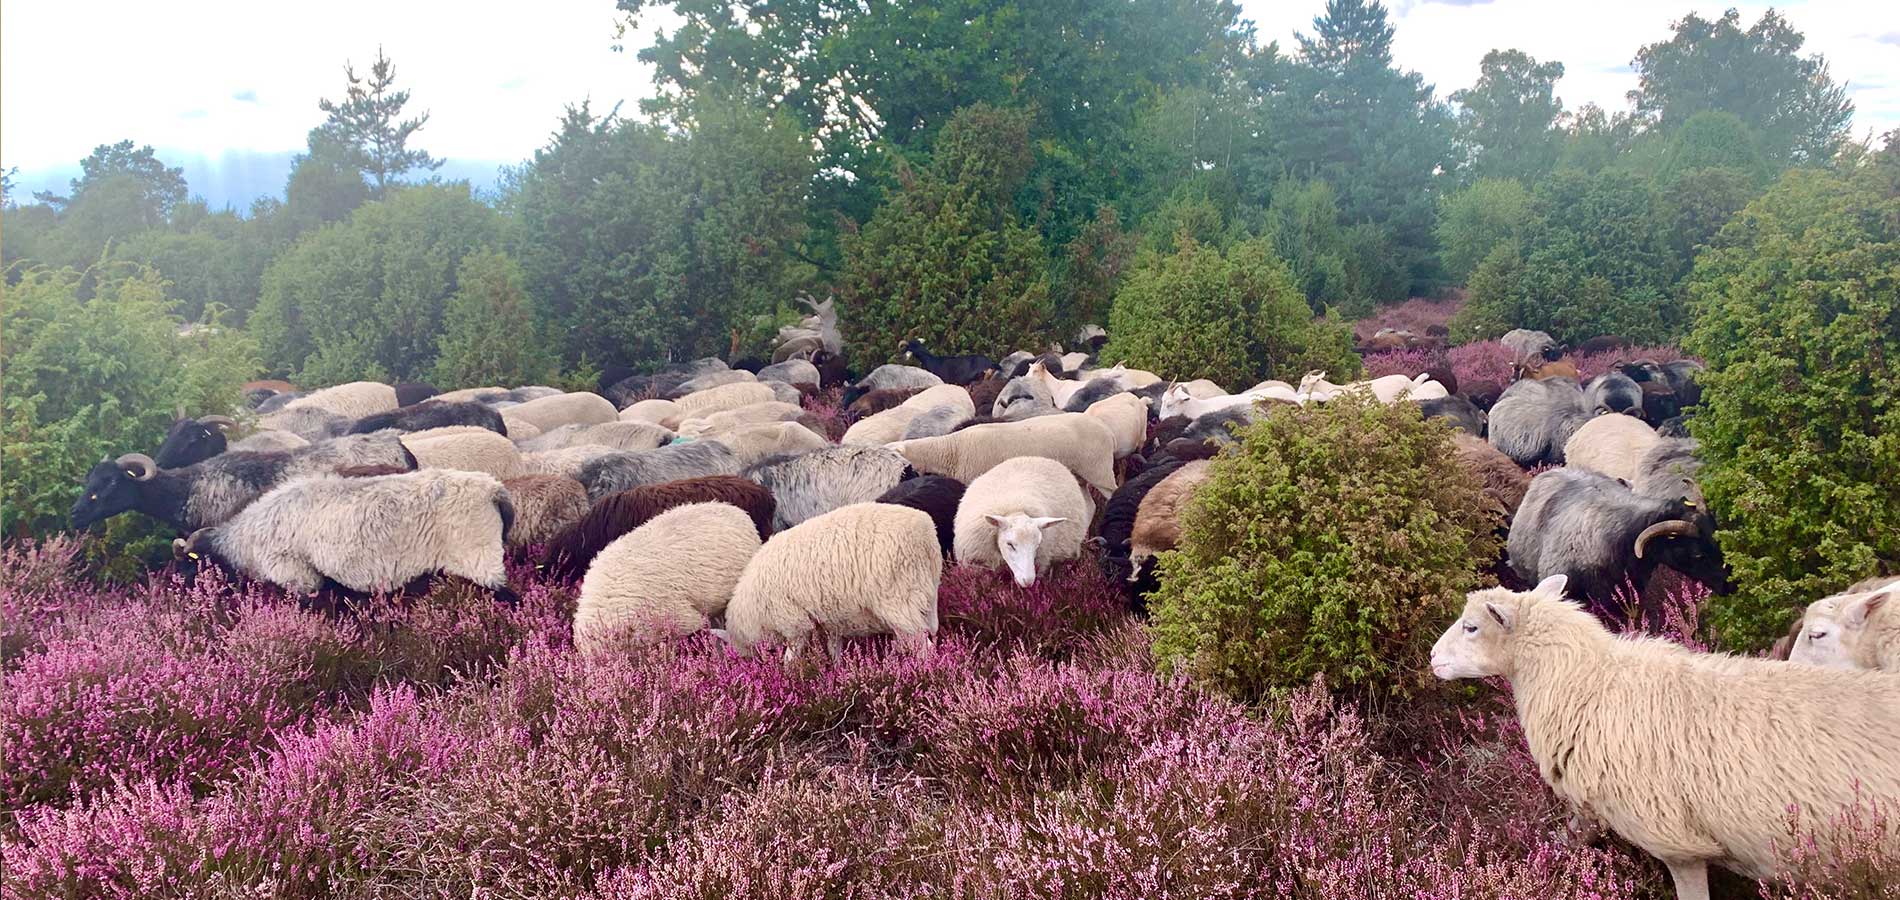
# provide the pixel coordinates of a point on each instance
(701, 404)
(868, 568)
(478, 450)
(1158, 520)
(1079, 441)
(618, 435)
(758, 442)
(1612, 446)
(544, 505)
(651, 411)
(1855, 629)
(1178, 402)
(366, 534)
(1695, 758)
(577, 408)
(1023, 515)
(616, 472)
(667, 577)
(818, 482)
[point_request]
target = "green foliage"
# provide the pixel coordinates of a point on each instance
(944, 261)
(216, 265)
(1091, 270)
(368, 128)
(1235, 317)
(364, 298)
(1507, 122)
(87, 379)
(1798, 316)
(1712, 140)
(491, 329)
(325, 186)
(643, 245)
(1475, 221)
(1349, 269)
(1335, 540)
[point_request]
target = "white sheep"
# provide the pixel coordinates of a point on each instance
(1023, 515)
(1077, 440)
(763, 440)
(1314, 388)
(1612, 446)
(469, 395)
(1126, 416)
(1178, 402)
(652, 411)
(1126, 378)
(1158, 518)
(700, 404)
(476, 450)
(749, 414)
(1695, 758)
(1855, 629)
(667, 577)
(889, 425)
(618, 435)
(867, 568)
(549, 413)
(351, 401)
(518, 428)
(564, 461)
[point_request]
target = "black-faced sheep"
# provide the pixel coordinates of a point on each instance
(1533, 419)
(810, 484)
(1461, 413)
(1615, 392)
(432, 414)
(193, 441)
(616, 472)
(957, 370)
(937, 495)
(1023, 514)
(569, 552)
(666, 578)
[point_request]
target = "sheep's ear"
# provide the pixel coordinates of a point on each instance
(1857, 612)
(1506, 620)
(1046, 521)
(995, 520)
(1552, 586)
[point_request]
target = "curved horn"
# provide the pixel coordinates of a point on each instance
(1671, 528)
(138, 465)
(222, 423)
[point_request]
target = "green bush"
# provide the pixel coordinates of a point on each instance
(1234, 317)
(1798, 316)
(491, 332)
(84, 380)
(1335, 540)
(1475, 221)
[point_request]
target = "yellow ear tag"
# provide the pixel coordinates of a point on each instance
(191, 554)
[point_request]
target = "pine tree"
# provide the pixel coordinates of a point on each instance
(368, 121)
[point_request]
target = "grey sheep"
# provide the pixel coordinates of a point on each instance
(1615, 392)
(807, 485)
(1094, 389)
(791, 371)
(616, 472)
(1534, 418)
(1022, 398)
(935, 421)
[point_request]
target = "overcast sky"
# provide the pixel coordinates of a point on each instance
(211, 80)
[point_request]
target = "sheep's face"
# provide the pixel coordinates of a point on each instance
(1476, 645)
(1018, 538)
(1832, 629)
(108, 491)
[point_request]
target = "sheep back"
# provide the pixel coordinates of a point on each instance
(1504, 482)
(350, 401)
(868, 568)
(618, 435)
(1611, 445)
(1118, 515)
(763, 440)
(577, 408)
(1127, 419)
(569, 552)
(666, 577)
(616, 472)
(1158, 518)
(937, 495)
(479, 450)
(700, 404)
(1077, 440)
(544, 505)
(810, 484)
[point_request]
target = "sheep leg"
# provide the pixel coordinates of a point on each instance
(834, 647)
(919, 644)
(1691, 878)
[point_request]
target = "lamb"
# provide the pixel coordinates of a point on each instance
(1533, 420)
(472, 451)
(1615, 392)
(891, 377)
(366, 534)
(569, 552)
(1597, 532)
(1612, 446)
(578, 408)
(937, 495)
(867, 568)
(818, 482)
(616, 472)
(1158, 519)
(544, 505)
(756, 443)
(1079, 441)
(665, 578)
(212, 491)
(1855, 629)
(618, 435)
(1529, 348)
(701, 404)
(1695, 758)
(566, 462)
(350, 401)
(1023, 514)
(1021, 398)
(1459, 412)
(1127, 419)
(651, 411)
(431, 414)
(791, 371)
(1503, 481)
(956, 370)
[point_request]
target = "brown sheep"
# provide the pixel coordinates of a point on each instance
(372, 471)
(878, 401)
(1504, 481)
(983, 393)
(544, 504)
(569, 552)
(1560, 369)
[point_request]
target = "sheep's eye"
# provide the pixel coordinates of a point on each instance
(1470, 628)
(1816, 635)
(93, 496)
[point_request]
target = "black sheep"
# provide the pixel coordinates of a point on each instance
(432, 414)
(1460, 412)
(937, 495)
(958, 370)
(410, 393)
(193, 441)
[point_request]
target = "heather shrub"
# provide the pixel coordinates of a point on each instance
(1401, 362)
(1798, 318)
(1336, 540)
(1072, 601)
(1481, 361)
(1847, 857)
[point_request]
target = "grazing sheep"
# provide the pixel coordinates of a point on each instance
(1314, 388)
(1127, 419)
(1060, 389)
(578, 408)
(651, 411)
(1533, 420)
(1695, 758)
(471, 395)
(937, 420)
(983, 393)
(1092, 390)
(791, 371)
(212, 491)
(1612, 446)
(1458, 411)
(470, 451)
(891, 377)
(957, 370)
(1483, 394)
(1855, 629)
(566, 461)
(618, 435)
(1158, 518)
(431, 414)
(701, 404)
(1023, 515)
(1021, 398)
(268, 442)
(366, 534)
(616, 472)
(666, 578)
(569, 552)
(890, 424)
(1598, 532)
(1503, 481)
(750, 414)
(311, 423)
(544, 505)
(878, 401)
(350, 401)
(410, 393)
(758, 442)
(937, 495)
(1200, 389)
(1077, 440)
(1615, 392)
(195, 440)
(520, 429)
(709, 381)
(868, 568)
(1529, 348)
(1178, 402)
(811, 484)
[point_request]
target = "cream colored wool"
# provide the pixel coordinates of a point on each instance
(1611, 445)
(1030, 486)
(867, 568)
(654, 411)
(700, 404)
(467, 395)
(1858, 628)
(618, 435)
(480, 450)
(268, 442)
(352, 401)
(666, 577)
(367, 534)
(1696, 758)
(749, 414)
(1158, 518)
(1202, 389)
(549, 413)
(567, 461)
(1060, 389)
(444, 431)
(1126, 416)
(880, 428)
(758, 442)
(544, 504)
(519, 429)
(1077, 440)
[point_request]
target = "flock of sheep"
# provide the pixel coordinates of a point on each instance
(706, 495)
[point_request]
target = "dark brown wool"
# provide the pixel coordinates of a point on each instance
(544, 504)
(983, 393)
(937, 495)
(569, 552)
(878, 401)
